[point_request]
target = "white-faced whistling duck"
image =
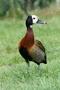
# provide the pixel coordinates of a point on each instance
(29, 48)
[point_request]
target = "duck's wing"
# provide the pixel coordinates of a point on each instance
(40, 45)
(37, 54)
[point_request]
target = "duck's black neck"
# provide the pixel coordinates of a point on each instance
(29, 28)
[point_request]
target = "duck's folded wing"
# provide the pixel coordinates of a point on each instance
(37, 54)
(40, 45)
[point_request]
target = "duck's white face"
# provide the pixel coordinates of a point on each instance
(35, 19)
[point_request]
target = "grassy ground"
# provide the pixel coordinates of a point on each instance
(13, 69)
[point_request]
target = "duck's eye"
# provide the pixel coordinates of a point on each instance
(33, 18)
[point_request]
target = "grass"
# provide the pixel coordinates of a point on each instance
(13, 69)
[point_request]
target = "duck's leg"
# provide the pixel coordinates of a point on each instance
(39, 67)
(28, 67)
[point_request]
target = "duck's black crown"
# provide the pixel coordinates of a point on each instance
(29, 21)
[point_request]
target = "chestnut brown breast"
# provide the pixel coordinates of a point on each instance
(28, 40)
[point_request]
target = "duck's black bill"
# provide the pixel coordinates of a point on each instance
(41, 22)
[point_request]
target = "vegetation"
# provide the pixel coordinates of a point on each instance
(13, 68)
(13, 8)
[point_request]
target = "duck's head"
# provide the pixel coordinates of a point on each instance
(33, 19)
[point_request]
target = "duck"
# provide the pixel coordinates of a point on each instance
(29, 48)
